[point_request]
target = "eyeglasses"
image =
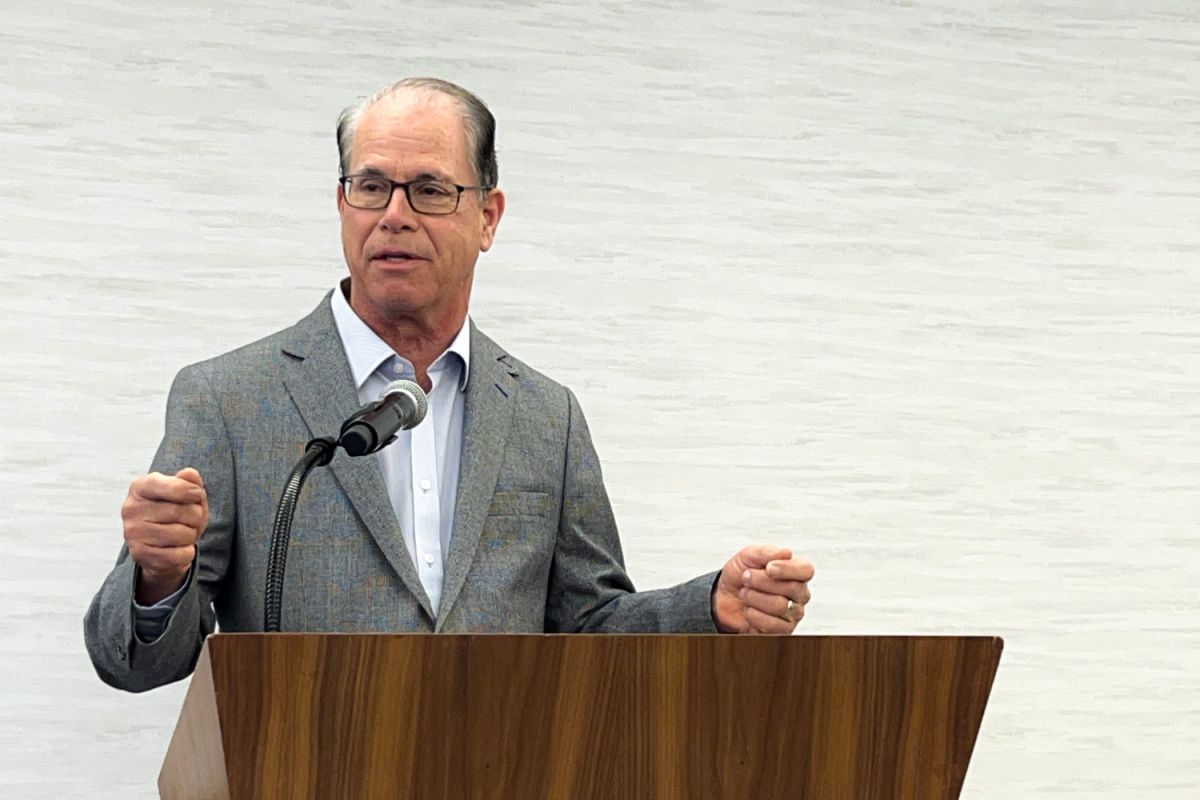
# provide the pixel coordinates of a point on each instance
(426, 195)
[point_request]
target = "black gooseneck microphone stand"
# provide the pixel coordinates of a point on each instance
(371, 428)
(317, 453)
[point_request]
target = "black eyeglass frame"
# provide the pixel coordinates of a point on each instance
(406, 186)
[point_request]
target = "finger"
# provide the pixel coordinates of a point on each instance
(757, 556)
(775, 604)
(136, 512)
(191, 475)
(758, 579)
(168, 488)
(791, 569)
(158, 561)
(768, 623)
(152, 534)
(164, 513)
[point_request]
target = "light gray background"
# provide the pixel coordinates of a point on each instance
(910, 286)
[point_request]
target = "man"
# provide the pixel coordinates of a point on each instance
(489, 516)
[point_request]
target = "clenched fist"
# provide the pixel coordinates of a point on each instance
(163, 516)
(762, 589)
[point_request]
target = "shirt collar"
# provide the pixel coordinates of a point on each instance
(365, 351)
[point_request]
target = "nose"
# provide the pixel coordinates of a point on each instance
(398, 214)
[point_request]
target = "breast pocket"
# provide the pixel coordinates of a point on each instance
(517, 547)
(520, 504)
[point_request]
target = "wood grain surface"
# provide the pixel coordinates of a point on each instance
(579, 717)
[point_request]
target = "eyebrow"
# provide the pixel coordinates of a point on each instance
(424, 176)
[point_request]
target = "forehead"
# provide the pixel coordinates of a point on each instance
(412, 132)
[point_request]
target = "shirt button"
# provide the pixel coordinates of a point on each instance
(425, 486)
(398, 369)
(429, 558)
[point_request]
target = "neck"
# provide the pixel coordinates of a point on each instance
(418, 338)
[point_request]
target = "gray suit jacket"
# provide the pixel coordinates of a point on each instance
(534, 545)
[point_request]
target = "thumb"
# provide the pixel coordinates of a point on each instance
(191, 475)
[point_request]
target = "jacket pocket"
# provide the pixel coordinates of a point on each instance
(520, 504)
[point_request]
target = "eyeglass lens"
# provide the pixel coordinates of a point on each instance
(426, 196)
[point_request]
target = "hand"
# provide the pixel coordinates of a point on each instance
(163, 517)
(752, 594)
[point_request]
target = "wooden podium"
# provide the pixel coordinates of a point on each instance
(579, 717)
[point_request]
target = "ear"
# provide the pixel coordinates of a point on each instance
(341, 198)
(493, 210)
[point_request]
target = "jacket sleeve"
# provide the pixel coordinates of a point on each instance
(590, 590)
(195, 436)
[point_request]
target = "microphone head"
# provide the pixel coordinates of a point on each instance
(415, 392)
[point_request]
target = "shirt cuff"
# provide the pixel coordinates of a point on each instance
(149, 622)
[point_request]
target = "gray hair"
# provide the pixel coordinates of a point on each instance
(478, 122)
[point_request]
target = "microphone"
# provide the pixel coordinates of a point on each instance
(401, 406)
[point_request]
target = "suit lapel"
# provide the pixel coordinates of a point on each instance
(322, 387)
(487, 417)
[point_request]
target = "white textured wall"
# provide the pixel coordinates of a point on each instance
(911, 286)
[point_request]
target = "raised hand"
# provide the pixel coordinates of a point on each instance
(762, 589)
(163, 517)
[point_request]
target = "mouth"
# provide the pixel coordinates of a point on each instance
(397, 257)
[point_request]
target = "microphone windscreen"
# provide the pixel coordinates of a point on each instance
(415, 392)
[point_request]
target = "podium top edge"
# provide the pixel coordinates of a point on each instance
(617, 636)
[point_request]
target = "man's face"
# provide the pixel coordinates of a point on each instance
(406, 266)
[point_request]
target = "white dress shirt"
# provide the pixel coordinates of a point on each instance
(420, 468)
